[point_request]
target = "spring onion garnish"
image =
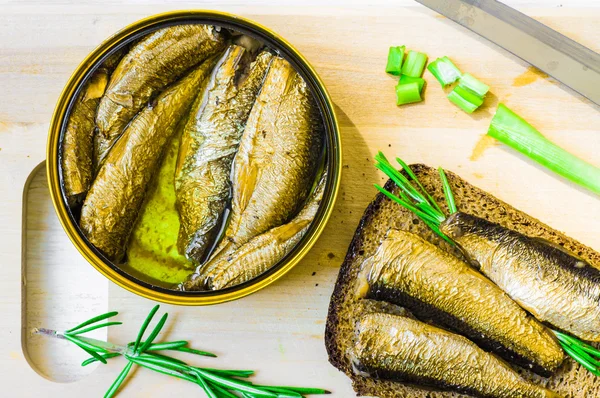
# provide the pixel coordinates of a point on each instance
(510, 129)
(404, 79)
(587, 355)
(444, 71)
(415, 198)
(394, 61)
(407, 93)
(465, 99)
(142, 352)
(414, 64)
(468, 82)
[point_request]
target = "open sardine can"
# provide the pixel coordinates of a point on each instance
(132, 33)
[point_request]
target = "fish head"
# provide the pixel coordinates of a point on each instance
(457, 225)
(475, 237)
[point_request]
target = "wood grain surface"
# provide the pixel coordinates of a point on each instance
(279, 330)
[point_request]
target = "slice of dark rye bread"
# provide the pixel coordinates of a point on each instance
(572, 380)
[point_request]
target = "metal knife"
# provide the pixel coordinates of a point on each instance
(560, 57)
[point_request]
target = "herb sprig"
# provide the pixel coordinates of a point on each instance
(587, 355)
(416, 199)
(216, 383)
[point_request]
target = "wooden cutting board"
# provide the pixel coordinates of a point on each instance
(278, 331)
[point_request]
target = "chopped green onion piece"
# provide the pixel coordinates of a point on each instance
(408, 93)
(467, 81)
(394, 62)
(464, 99)
(404, 79)
(510, 129)
(415, 64)
(444, 71)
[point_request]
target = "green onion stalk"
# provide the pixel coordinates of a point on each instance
(512, 130)
(413, 196)
(146, 353)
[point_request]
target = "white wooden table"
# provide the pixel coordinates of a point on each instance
(278, 331)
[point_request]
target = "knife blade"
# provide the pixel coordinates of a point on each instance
(567, 61)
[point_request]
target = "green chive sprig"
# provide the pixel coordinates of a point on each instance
(587, 355)
(216, 383)
(414, 197)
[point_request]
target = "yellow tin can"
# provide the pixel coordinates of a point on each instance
(132, 33)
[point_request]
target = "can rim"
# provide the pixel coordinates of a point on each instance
(104, 266)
